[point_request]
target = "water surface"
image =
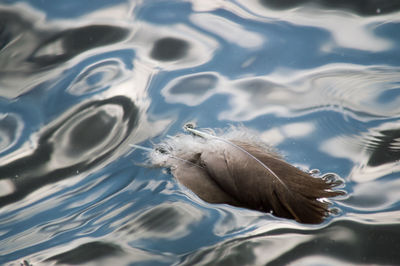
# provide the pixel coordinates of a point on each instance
(80, 81)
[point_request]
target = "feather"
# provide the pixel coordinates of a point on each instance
(237, 168)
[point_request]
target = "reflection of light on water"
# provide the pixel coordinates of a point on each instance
(363, 148)
(97, 76)
(385, 217)
(11, 127)
(354, 91)
(277, 246)
(273, 136)
(342, 147)
(317, 259)
(170, 220)
(85, 137)
(119, 11)
(364, 173)
(277, 135)
(82, 139)
(300, 129)
(254, 244)
(191, 89)
(228, 30)
(376, 164)
(374, 196)
(6, 187)
(348, 30)
(37, 54)
(355, 88)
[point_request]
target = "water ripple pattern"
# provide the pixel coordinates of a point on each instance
(80, 82)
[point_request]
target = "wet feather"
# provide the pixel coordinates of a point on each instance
(236, 168)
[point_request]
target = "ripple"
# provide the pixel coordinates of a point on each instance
(167, 221)
(191, 89)
(33, 49)
(75, 142)
(229, 30)
(357, 90)
(384, 145)
(374, 196)
(252, 97)
(68, 43)
(102, 252)
(310, 72)
(364, 8)
(87, 252)
(293, 246)
(375, 151)
(91, 131)
(10, 131)
(346, 29)
(98, 76)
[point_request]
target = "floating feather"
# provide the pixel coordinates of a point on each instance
(236, 168)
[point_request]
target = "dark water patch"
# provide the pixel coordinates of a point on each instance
(346, 241)
(12, 23)
(68, 43)
(361, 7)
(74, 143)
(172, 48)
(259, 90)
(234, 254)
(385, 147)
(196, 85)
(87, 252)
(31, 50)
(168, 221)
(46, 46)
(191, 89)
(18, 38)
(159, 220)
(101, 124)
(168, 49)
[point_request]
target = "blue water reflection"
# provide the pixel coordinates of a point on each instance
(79, 82)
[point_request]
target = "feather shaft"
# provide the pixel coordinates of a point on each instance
(206, 135)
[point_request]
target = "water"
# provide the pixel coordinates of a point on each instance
(80, 81)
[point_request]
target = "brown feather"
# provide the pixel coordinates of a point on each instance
(198, 180)
(243, 172)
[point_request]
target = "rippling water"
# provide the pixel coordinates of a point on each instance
(80, 81)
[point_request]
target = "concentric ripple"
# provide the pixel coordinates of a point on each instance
(98, 76)
(78, 140)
